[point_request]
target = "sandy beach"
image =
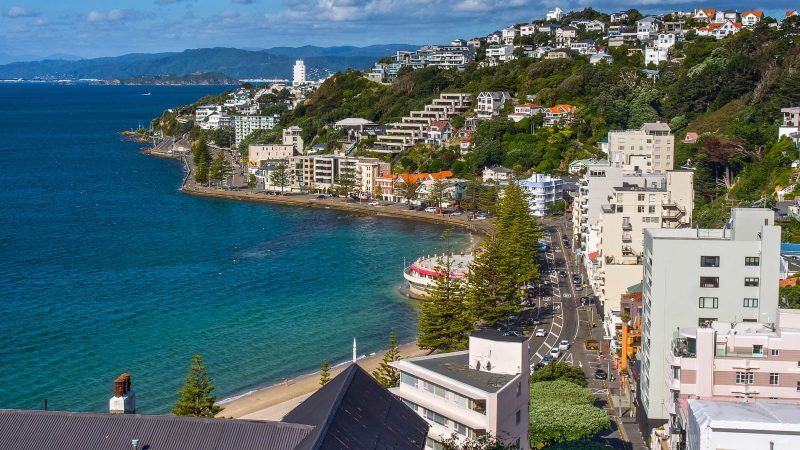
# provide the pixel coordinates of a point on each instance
(272, 403)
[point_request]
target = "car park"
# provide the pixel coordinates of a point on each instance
(600, 374)
(563, 345)
(539, 332)
(555, 352)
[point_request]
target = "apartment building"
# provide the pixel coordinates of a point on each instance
(320, 173)
(412, 129)
(444, 56)
(651, 148)
(542, 191)
(746, 361)
(693, 277)
(753, 426)
(244, 125)
(631, 209)
(483, 390)
(292, 145)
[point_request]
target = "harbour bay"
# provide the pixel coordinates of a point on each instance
(106, 267)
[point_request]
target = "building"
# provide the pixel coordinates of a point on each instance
(565, 36)
(619, 16)
(750, 362)
(412, 128)
(244, 125)
(579, 165)
(751, 18)
(292, 145)
(693, 277)
(704, 15)
(496, 54)
(542, 191)
(791, 125)
(299, 73)
(631, 209)
(601, 57)
(509, 34)
(444, 56)
(216, 120)
(203, 111)
(527, 30)
(555, 15)
(726, 15)
(720, 30)
(483, 390)
(655, 55)
(650, 149)
(353, 409)
(490, 103)
(466, 145)
(439, 133)
(497, 174)
(525, 110)
(422, 274)
(559, 53)
(559, 113)
(647, 26)
(389, 183)
(716, 425)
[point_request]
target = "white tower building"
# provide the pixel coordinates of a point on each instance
(299, 73)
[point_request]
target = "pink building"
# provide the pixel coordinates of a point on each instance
(746, 361)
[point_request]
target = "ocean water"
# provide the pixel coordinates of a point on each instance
(105, 267)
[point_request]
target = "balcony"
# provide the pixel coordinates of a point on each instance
(608, 209)
(626, 236)
(626, 226)
(684, 347)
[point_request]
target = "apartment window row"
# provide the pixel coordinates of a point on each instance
(646, 219)
(751, 281)
(744, 377)
(478, 406)
(750, 303)
(713, 261)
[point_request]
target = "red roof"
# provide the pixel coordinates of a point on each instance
(529, 105)
(708, 12)
(467, 139)
(753, 13)
(439, 124)
(788, 282)
(562, 109)
(792, 13)
(593, 255)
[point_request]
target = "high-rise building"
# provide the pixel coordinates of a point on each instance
(693, 277)
(299, 73)
(649, 149)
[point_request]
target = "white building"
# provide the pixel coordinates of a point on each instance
(497, 54)
(509, 34)
(655, 55)
(791, 124)
(751, 18)
(647, 26)
(299, 73)
(542, 190)
(555, 15)
(292, 145)
(204, 111)
(497, 174)
(693, 277)
(527, 30)
(526, 110)
(490, 103)
(735, 425)
(720, 30)
(471, 393)
(649, 149)
(244, 125)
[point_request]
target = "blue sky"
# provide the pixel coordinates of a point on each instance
(91, 28)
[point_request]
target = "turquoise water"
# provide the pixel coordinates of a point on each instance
(105, 267)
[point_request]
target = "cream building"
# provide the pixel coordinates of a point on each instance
(299, 73)
(651, 148)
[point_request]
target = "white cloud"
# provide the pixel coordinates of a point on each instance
(18, 11)
(116, 15)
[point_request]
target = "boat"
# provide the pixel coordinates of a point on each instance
(146, 93)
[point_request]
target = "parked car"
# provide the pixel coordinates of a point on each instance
(430, 209)
(555, 352)
(562, 273)
(547, 359)
(481, 217)
(600, 374)
(579, 288)
(512, 333)
(320, 197)
(456, 213)
(539, 332)
(374, 204)
(537, 366)
(563, 345)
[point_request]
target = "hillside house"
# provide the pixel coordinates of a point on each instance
(438, 133)
(751, 18)
(720, 30)
(490, 103)
(555, 15)
(558, 113)
(565, 35)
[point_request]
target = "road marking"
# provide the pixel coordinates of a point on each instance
(558, 325)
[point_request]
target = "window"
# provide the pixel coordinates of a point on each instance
(751, 281)
(409, 404)
(758, 350)
(709, 261)
(751, 303)
(410, 380)
(460, 428)
(460, 400)
(519, 416)
(651, 209)
(641, 197)
(709, 282)
(752, 261)
(744, 377)
(774, 352)
(774, 379)
(709, 302)
(438, 418)
(798, 386)
(640, 208)
(434, 389)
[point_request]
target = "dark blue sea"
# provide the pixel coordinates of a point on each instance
(105, 267)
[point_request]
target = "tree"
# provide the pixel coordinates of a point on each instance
(517, 234)
(202, 160)
(220, 167)
(407, 190)
(490, 293)
(345, 183)
(437, 192)
(485, 442)
(560, 371)
(387, 375)
(325, 373)
(563, 411)
(251, 181)
(195, 398)
(280, 176)
(444, 321)
(789, 297)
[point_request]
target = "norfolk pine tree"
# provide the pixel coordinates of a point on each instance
(325, 374)
(195, 398)
(444, 321)
(387, 375)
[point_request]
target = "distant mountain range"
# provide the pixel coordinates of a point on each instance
(274, 62)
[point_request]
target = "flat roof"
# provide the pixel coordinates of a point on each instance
(499, 336)
(456, 366)
(743, 416)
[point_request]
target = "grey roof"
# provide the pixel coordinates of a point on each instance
(354, 411)
(761, 416)
(498, 336)
(456, 366)
(655, 126)
(42, 430)
(500, 169)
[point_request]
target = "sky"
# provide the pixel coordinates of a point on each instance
(94, 28)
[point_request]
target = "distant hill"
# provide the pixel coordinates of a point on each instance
(272, 63)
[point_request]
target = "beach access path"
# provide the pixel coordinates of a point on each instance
(274, 402)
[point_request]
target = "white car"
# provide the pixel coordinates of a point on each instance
(563, 345)
(539, 332)
(555, 352)
(374, 204)
(455, 213)
(480, 218)
(430, 209)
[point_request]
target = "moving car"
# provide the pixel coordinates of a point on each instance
(430, 209)
(600, 374)
(563, 345)
(555, 352)
(539, 332)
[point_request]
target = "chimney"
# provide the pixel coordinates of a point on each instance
(134, 443)
(124, 399)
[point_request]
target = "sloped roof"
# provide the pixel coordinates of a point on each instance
(562, 109)
(43, 430)
(353, 411)
(753, 13)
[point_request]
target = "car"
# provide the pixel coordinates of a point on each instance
(481, 217)
(547, 359)
(374, 204)
(563, 345)
(579, 288)
(562, 273)
(512, 333)
(456, 213)
(430, 209)
(537, 366)
(555, 352)
(539, 332)
(600, 374)
(320, 197)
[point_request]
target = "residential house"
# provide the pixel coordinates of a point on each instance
(649, 149)
(490, 103)
(438, 133)
(509, 34)
(496, 54)
(388, 183)
(555, 15)
(494, 38)
(646, 27)
(619, 16)
(718, 424)
(694, 277)
(745, 361)
(751, 18)
(483, 390)
(704, 15)
(579, 165)
(595, 26)
(565, 35)
(691, 137)
(497, 174)
(720, 30)
(665, 40)
(792, 13)
(524, 111)
(723, 16)
(655, 55)
(558, 113)
(559, 53)
(527, 30)
(216, 120)
(203, 111)
(542, 191)
(601, 57)
(475, 42)
(791, 124)
(540, 52)
(584, 47)
(549, 28)
(458, 43)
(466, 145)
